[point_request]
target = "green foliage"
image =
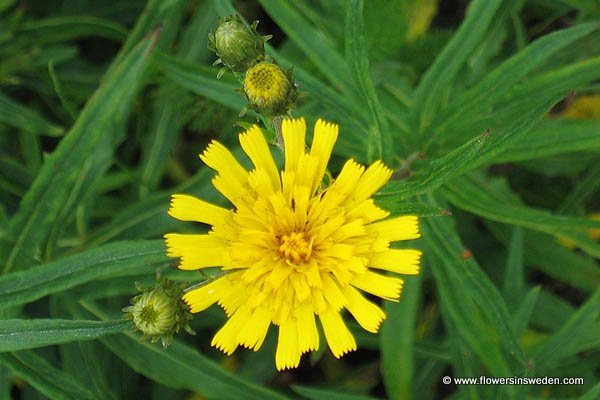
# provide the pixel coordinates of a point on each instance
(104, 107)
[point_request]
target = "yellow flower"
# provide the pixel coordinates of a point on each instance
(292, 248)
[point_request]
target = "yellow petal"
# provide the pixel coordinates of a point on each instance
(339, 338)
(400, 261)
(190, 208)
(371, 181)
(400, 228)
(294, 132)
(382, 286)
(334, 296)
(348, 178)
(254, 144)
(366, 313)
(325, 135)
(308, 335)
(253, 334)
(202, 297)
(368, 211)
(288, 353)
(234, 299)
(226, 338)
(196, 251)
(219, 158)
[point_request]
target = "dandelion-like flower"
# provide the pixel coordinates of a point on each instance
(293, 249)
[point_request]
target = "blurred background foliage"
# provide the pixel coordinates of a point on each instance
(488, 110)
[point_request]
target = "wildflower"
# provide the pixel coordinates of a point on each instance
(292, 249)
(158, 311)
(269, 90)
(237, 44)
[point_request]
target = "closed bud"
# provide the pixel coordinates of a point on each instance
(158, 312)
(237, 44)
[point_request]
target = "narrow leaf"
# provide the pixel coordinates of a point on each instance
(23, 334)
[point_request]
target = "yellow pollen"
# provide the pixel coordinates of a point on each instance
(295, 248)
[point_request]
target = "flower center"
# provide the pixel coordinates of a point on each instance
(295, 247)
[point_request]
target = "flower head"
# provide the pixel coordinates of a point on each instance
(237, 44)
(158, 311)
(293, 249)
(269, 90)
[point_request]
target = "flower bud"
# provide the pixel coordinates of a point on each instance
(237, 44)
(269, 90)
(158, 312)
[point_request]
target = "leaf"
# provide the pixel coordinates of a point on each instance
(482, 198)
(23, 334)
(201, 80)
(379, 145)
(170, 106)
(318, 394)
(524, 311)
(439, 170)
(47, 379)
(180, 367)
(579, 333)
(113, 260)
(397, 341)
(582, 191)
(80, 158)
(52, 30)
(312, 42)
(514, 280)
(395, 207)
(21, 117)
(440, 75)
(553, 137)
(545, 253)
(470, 299)
(504, 77)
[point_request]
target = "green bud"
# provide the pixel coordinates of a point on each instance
(237, 44)
(158, 312)
(269, 90)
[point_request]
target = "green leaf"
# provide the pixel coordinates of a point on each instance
(396, 207)
(546, 254)
(397, 341)
(592, 394)
(47, 379)
(524, 311)
(80, 158)
(21, 117)
(582, 191)
(579, 333)
(171, 104)
(504, 77)
(471, 300)
(318, 394)
(481, 197)
(553, 137)
(379, 146)
(312, 42)
(440, 75)
(113, 260)
(512, 118)
(439, 170)
(181, 367)
(201, 80)
(51, 30)
(514, 280)
(23, 334)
